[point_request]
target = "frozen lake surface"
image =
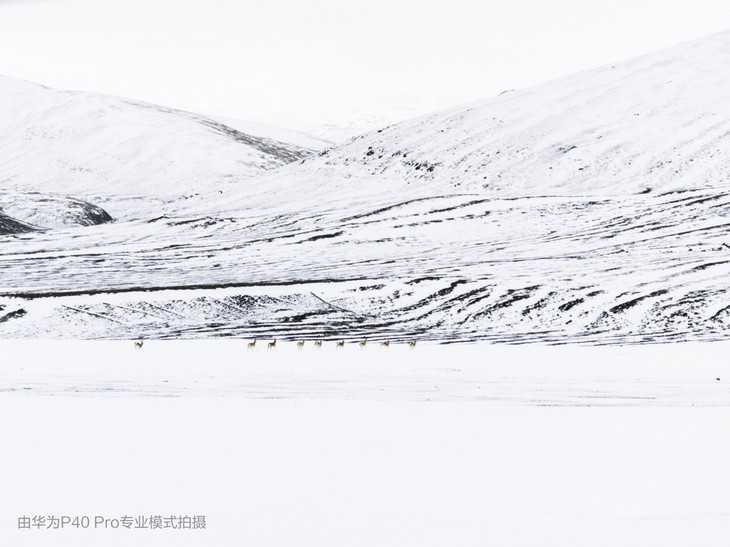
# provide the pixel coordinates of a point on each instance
(438, 445)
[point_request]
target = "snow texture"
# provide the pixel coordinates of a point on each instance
(467, 445)
(594, 208)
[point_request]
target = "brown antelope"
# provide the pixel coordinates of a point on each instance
(341, 344)
(138, 344)
(300, 344)
(385, 344)
(252, 345)
(318, 343)
(412, 344)
(271, 345)
(363, 343)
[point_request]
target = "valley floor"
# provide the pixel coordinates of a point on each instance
(438, 445)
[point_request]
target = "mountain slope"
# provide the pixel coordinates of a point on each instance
(574, 219)
(89, 145)
(653, 124)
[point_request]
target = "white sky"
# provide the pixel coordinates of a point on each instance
(289, 60)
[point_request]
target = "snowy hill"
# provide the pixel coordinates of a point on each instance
(339, 126)
(308, 140)
(90, 145)
(656, 123)
(592, 208)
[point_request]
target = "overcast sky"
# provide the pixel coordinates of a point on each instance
(270, 59)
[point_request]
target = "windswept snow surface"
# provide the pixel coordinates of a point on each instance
(593, 208)
(472, 445)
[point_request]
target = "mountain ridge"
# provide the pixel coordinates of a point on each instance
(450, 227)
(609, 130)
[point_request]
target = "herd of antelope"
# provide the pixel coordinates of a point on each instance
(339, 343)
(300, 344)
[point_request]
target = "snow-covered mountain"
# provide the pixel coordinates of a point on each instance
(595, 207)
(339, 126)
(94, 146)
(656, 123)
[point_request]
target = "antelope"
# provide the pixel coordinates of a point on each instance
(412, 344)
(138, 344)
(385, 344)
(363, 344)
(341, 344)
(271, 345)
(252, 345)
(318, 343)
(300, 344)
